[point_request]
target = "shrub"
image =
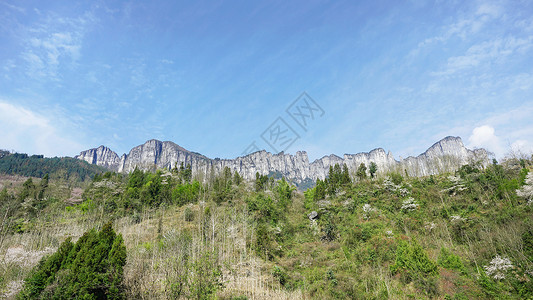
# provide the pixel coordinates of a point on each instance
(413, 260)
(206, 276)
(280, 274)
(450, 261)
(396, 178)
(498, 266)
(186, 193)
(188, 214)
(92, 268)
(329, 228)
(264, 242)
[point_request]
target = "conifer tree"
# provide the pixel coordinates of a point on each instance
(91, 268)
(373, 169)
(361, 171)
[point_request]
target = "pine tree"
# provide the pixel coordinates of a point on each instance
(92, 268)
(373, 169)
(345, 175)
(361, 171)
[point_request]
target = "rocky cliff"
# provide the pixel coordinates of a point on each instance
(446, 155)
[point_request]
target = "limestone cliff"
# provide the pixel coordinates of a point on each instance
(446, 155)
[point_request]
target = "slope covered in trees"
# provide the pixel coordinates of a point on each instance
(66, 168)
(466, 235)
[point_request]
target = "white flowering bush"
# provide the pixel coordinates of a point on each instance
(457, 218)
(409, 204)
(498, 266)
(454, 179)
(430, 226)
(392, 187)
(389, 234)
(389, 185)
(457, 185)
(527, 190)
(367, 210)
(403, 192)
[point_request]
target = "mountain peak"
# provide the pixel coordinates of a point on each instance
(448, 154)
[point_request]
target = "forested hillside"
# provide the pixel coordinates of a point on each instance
(466, 235)
(65, 168)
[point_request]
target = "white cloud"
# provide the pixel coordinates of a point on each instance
(26, 131)
(485, 53)
(515, 141)
(522, 146)
(484, 137)
(52, 42)
(489, 10)
(466, 26)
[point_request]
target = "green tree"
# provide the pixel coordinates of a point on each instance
(345, 178)
(206, 276)
(136, 179)
(185, 173)
(186, 193)
(92, 268)
(335, 179)
(42, 187)
(361, 172)
(222, 186)
(373, 168)
(152, 190)
(320, 190)
(261, 182)
(28, 189)
(284, 192)
(412, 261)
(237, 179)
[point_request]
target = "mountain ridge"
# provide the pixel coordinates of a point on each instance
(448, 154)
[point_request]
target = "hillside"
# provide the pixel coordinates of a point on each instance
(65, 168)
(462, 235)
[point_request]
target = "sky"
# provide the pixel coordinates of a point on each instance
(224, 78)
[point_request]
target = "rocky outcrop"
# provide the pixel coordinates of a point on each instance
(446, 155)
(101, 156)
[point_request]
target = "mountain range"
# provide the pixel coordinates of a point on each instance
(445, 155)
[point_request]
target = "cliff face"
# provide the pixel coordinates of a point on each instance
(446, 155)
(101, 156)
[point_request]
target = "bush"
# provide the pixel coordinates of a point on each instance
(206, 276)
(396, 178)
(188, 214)
(413, 260)
(450, 261)
(280, 275)
(186, 193)
(92, 268)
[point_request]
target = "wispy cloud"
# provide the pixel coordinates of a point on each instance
(486, 53)
(13, 7)
(52, 42)
(28, 131)
(465, 26)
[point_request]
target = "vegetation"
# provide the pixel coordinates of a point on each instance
(91, 268)
(462, 235)
(66, 168)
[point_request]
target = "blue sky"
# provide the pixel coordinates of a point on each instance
(215, 76)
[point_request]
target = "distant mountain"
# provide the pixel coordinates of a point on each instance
(38, 165)
(447, 154)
